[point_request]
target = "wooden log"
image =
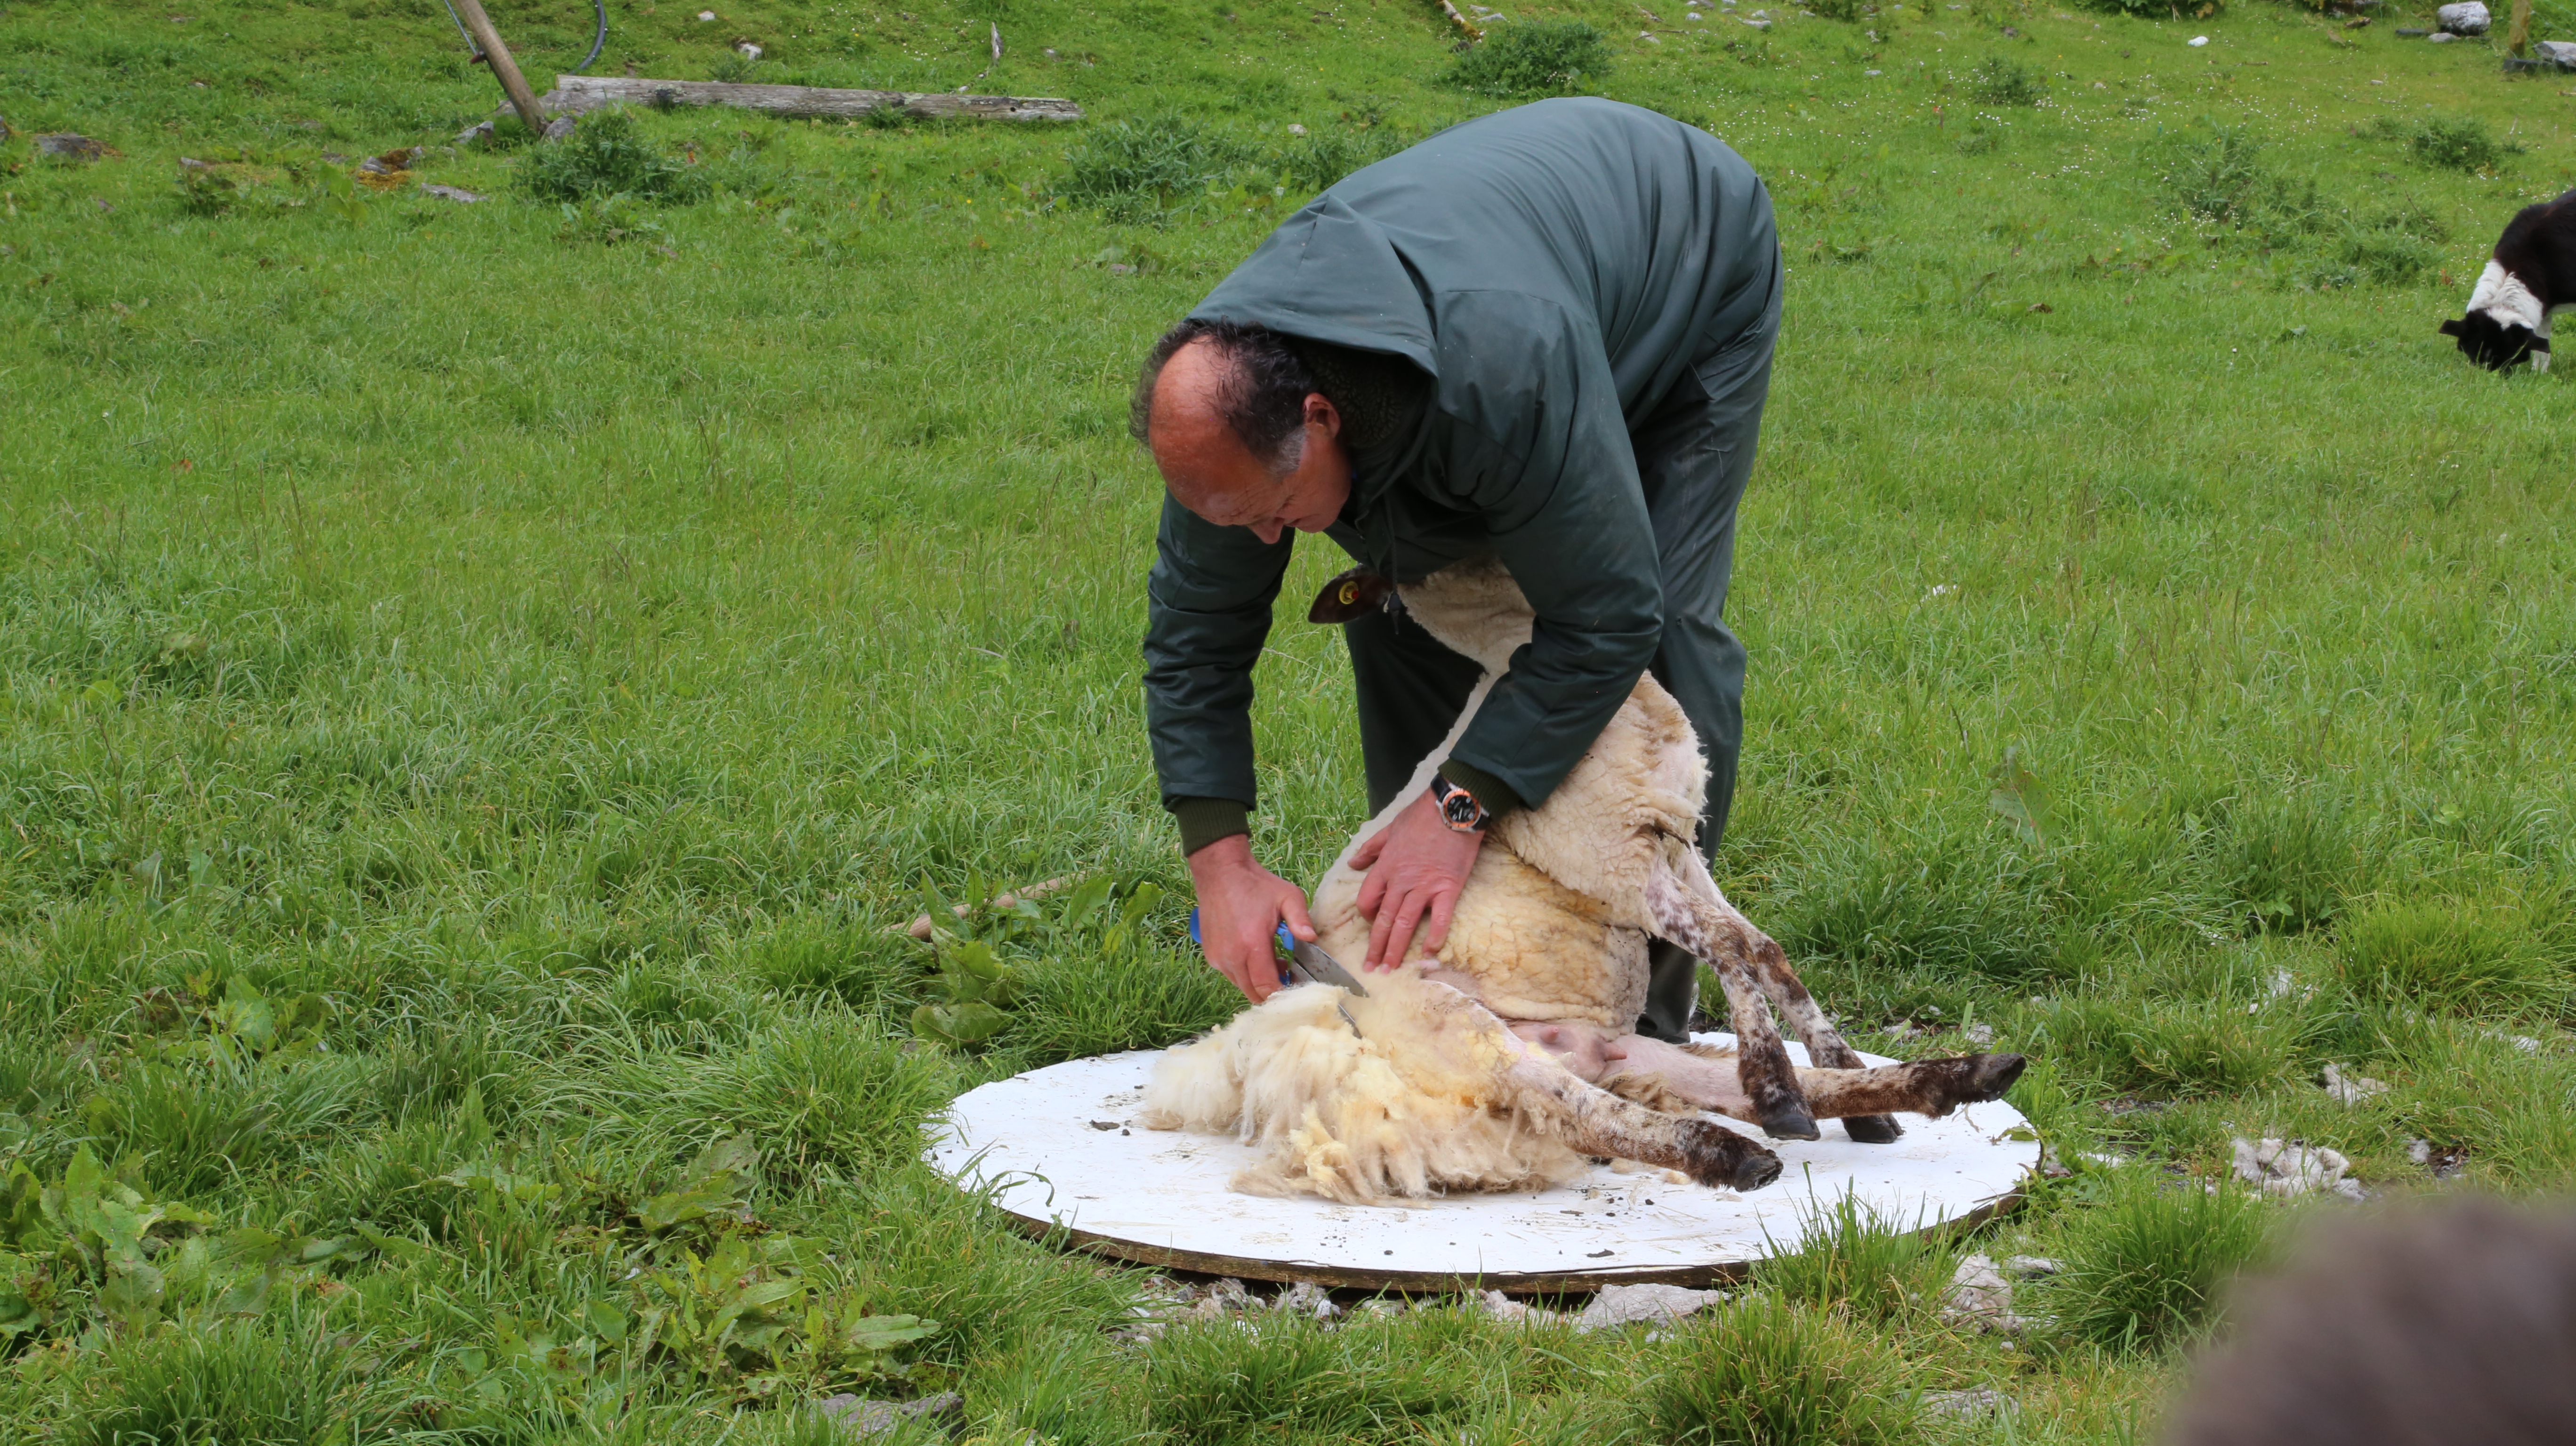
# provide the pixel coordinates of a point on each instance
(2518, 39)
(497, 55)
(578, 94)
(1460, 21)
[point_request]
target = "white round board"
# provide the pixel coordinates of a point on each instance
(1035, 1143)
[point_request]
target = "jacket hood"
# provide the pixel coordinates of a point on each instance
(1330, 275)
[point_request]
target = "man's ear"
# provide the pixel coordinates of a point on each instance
(1320, 412)
(2453, 328)
(1355, 593)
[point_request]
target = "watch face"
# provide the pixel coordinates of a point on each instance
(1460, 808)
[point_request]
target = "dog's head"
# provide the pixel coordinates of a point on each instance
(2495, 343)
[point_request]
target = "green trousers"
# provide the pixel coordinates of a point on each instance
(1694, 455)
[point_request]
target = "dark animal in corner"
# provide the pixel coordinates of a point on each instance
(2533, 274)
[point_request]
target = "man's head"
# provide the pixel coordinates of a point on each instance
(1238, 430)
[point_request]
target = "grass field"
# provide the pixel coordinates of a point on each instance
(478, 682)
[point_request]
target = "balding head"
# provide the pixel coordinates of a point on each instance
(1238, 431)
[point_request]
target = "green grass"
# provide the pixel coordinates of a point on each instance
(480, 683)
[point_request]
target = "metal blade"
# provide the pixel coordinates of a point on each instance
(1321, 968)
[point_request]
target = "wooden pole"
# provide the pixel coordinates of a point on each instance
(497, 56)
(2520, 36)
(582, 94)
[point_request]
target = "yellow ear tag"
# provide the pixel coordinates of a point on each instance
(1350, 593)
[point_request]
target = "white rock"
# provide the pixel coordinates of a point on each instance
(1306, 1298)
(2469, 17)
(2290, 1170)
(1503, 1307)
(2440, 37)
(862, 1418)
(1959, 1405)
(1295, 129)
(1979, 1035)
(2351, 1089)
(2560, 53)
(2197, 41)
(747, 50)
(706, 15)
(1980, 1298)
(1619, 1305)
(2026, 1267)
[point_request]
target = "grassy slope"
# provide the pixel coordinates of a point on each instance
(567, 658)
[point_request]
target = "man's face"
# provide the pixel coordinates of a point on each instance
(1211, 472)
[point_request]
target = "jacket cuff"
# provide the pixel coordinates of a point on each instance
(1492, 794)
(1203, 821)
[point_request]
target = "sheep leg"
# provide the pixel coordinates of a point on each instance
(1826, 1047)
(1593, 1121)
(1723, 940)
(1700, 1076)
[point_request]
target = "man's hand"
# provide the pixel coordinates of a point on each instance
(1240, 905)
(1416, 866)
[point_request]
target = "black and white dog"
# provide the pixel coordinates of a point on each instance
(2532, 275)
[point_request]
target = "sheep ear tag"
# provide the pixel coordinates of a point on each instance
(1350, 595)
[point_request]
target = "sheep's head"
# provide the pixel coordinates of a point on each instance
(2497, 343)
(1473, 608)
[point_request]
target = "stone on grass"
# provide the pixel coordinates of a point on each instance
(560, 127)
(1980, 1298)
(1306, 1298)
(2468, 17)
(451, 193)
(2440, 37)
(1961, 1405)
(861, 1418)
(2350, 1089)
(2290, 1169)
(2030, 1267)
(1503, 1307)
(2560, 53)
(2445, 1163)
(748, 51)
(68, 146)
(1619, 1305)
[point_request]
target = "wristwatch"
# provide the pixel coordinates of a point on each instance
(1458, 808)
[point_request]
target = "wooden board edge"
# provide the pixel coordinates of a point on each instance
(1551, 1282)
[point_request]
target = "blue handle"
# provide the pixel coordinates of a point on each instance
(1286, 939)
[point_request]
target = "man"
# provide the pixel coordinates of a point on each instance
(1543, 336)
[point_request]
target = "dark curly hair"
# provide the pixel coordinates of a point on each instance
(1261, 393)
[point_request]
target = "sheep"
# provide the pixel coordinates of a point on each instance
(1509, 1058)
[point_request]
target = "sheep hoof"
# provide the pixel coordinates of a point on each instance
(1714, 1155)
(1872, 1129)
(1789, 1120)
(1969, 1079)
(1989, 1075)
(1756, 1171)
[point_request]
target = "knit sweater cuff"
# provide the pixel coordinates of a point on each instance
(1203, 821)
(1492, 794)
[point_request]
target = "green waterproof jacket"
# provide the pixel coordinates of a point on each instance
(1552, 269)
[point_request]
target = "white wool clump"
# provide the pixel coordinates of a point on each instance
(1359, 1100)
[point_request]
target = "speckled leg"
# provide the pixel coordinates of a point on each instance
(1594, 1121)
(1724, 941)
(1702, 1077)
